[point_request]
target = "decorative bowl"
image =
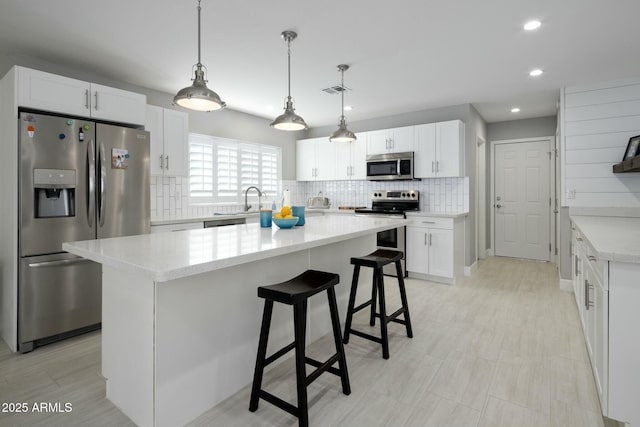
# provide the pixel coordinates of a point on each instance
(286, 222)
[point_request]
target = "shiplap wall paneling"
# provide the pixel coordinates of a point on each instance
(598, 122)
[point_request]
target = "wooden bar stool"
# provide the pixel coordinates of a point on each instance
(296, 292)
(377, 260)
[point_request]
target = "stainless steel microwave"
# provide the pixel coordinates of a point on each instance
(391, 166)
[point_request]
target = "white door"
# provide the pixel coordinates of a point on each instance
(522, 203)
(417, 250)
(359, 157)
(441, 252)
(378, 142)
(305, 160)
(117, 105)
(449, 138)
(402, 139)
(176, 141)
(343, 160)
(424, 153)
(326, 159)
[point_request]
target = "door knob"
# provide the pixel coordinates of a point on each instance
(498, 206)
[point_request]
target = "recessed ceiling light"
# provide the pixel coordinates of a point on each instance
(532, 25)
(515, 110)
(348, 108)
(536, 72)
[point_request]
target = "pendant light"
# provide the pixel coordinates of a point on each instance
(342, 134)
(289, 120)
(198, 96)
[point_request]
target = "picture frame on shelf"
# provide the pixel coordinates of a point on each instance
(632, 148)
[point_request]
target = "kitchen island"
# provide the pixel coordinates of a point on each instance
(180, 313)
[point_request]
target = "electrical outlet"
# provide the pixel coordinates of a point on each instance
(571, 194)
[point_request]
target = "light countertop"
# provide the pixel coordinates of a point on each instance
(614, 238)
(168, 256)
(202, 218)
(438, 214)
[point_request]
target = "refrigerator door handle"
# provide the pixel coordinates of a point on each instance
(103, 184)
(91, 183)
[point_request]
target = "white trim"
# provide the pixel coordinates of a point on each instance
(552, 190)
(566, 285)
(480, 145)
(468, 270)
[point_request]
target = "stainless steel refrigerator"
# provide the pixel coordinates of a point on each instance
(79, 180)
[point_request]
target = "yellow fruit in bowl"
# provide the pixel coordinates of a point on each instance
(288, 217)
(278, 216)
(285, 211)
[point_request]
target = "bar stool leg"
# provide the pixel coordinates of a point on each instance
(383, 314)
(300, 327)
(352, 301)
(262, 353)
(342, 360)
(374, 289)
(403, 297)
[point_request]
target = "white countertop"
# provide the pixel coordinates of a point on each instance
(168, 256)
(210, 217)
(438, 214)
(614, 238)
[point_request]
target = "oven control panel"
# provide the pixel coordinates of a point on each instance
(396, 195)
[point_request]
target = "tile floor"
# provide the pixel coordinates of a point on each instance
(502, 348)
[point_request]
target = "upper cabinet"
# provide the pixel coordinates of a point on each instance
(439, 150)
(351, 158)
(169, 131)
(50, 92)
(396, 140)
(315, 159)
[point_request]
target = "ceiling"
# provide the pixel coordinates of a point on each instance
(405, 55)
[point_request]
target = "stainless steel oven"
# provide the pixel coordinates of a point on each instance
(391, 166)
(392, 204)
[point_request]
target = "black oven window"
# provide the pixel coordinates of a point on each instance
(382, 168)
(388, 239)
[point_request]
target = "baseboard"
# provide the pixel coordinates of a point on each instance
(566, 285)
(490, 252)
(430, 278)
(470, 269)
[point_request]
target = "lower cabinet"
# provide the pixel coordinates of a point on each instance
(434, 248)
(607, 296)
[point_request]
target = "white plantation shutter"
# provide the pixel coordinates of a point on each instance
(221, 169)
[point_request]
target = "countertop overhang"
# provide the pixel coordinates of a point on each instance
(173, 255)
(614, 238)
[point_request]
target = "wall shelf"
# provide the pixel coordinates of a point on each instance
(629, 165)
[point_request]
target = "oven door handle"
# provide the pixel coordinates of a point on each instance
(398, 172)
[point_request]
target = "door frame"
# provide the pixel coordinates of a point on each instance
(551, 140)
(481, 197)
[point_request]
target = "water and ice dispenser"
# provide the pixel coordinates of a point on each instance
(54, 192)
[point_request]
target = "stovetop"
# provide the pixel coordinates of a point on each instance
(386, 202)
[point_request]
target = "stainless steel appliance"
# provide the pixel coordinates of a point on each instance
(392, 204)
(78, 180)
(391, 166)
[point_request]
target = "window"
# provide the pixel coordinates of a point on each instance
(221, 169)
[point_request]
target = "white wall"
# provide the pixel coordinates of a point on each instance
(598, 121)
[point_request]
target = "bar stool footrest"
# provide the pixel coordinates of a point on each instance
(322, 367)
(362, 306)
(366, 336)
(276, 401)
(278, 354)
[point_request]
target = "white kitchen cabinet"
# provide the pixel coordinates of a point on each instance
(169, 131)
(433, 249)
(351, 158)
(439, 150)
(58, 94)
(315, 159)
(395, 140)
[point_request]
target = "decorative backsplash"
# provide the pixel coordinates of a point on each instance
(170, 195)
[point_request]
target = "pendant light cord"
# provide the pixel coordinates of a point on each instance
(289, 67)
(342, 95)
(199, 8)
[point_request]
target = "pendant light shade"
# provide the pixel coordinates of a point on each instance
(198, 96)
(342, 134)
(289, 120)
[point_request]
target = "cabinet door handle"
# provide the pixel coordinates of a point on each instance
(576, 265)
(437, 166)
(591, 258)
(425, 239)
(95, 107)
(167, 166)
(586, 294)
(430, 235)
(161, 161)
(86, 99)
(428, 222)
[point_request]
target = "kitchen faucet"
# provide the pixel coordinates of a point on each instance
(247, 206)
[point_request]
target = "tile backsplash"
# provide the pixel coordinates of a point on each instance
(170, 195)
